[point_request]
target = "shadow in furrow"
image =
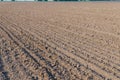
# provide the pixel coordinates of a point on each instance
(3, 73)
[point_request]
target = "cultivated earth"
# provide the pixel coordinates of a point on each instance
(60, 41)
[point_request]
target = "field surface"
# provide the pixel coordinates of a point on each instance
(60, 41)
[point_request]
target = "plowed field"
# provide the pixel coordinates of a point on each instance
(60, 41)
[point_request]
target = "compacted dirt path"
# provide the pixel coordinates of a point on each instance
(59, 41)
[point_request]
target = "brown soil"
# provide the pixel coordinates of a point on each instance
(59, 41)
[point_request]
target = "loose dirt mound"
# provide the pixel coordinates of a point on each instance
(59, 41)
